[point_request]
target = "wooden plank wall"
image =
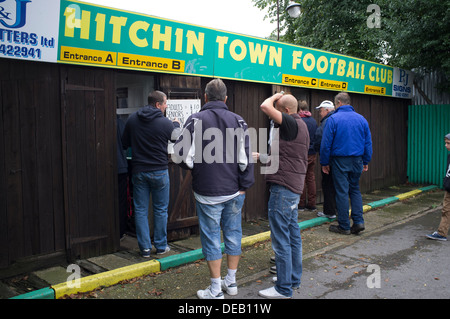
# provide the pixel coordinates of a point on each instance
(31, 184)
(245, 98)
(58, 180)
(182, 220)
(389, 128)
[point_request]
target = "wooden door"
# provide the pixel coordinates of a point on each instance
(90, 160)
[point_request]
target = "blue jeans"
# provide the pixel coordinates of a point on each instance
(346, 174)
(286, 238)
(156, 184)
(211, 218)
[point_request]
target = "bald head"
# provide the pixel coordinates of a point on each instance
(287, 104)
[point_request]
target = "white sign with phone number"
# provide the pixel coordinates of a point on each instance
(29, 29)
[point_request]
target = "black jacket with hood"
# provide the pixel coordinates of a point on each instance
(147, 132)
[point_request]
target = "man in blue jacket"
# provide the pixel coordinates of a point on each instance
(215, 145)
(346, 147)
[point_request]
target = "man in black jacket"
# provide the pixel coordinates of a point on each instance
(214, 145)
(147, 132)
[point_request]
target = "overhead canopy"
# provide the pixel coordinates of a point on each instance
(105, 37)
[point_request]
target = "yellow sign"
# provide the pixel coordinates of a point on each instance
(333, 85)
(299, 80)
(88, 56)
(314, 82)
(150, 63)
(374, 90)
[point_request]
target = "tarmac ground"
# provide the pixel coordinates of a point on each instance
(391, 259)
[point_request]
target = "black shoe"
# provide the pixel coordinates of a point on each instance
(339, 230)
(355, 229)
(273, 270)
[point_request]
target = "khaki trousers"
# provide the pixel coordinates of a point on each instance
(445, 219)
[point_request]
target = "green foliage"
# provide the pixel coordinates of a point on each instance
(418, 32)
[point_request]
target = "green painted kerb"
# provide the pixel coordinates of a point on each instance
(45, 293)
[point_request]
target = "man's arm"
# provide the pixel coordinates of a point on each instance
(246, 176)
(175, 131)
(268, 107)
(184, 147)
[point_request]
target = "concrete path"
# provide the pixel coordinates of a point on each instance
(333, 264)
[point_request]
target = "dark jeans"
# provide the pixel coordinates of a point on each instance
(156, 184)
(286, 238)
(346, 174)
(329, 194)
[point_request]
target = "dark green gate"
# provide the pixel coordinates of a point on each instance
(427, 155)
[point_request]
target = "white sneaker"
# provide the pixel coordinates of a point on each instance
(320, 214)
(231, 289)
(274, 280)
(163, 251)
(206, 294)
(271, 293)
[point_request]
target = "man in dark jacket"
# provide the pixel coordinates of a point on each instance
(309, 202)
(147, 132)
(214, 145)
(326, 109)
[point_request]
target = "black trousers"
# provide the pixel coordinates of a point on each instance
(329, 194)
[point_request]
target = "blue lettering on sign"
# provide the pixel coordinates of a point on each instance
(404, 76)
(18, 37)
(21, 14)
(400, 88)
